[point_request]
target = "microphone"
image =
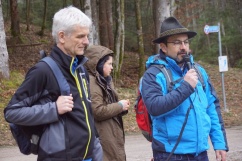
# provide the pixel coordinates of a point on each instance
(188, 61)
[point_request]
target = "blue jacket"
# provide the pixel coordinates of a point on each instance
(168, 110)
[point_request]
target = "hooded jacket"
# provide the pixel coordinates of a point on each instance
(168, 110)
(70, 135)
(106, 110)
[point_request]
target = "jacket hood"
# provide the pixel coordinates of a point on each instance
(94, 53)
(156, 59)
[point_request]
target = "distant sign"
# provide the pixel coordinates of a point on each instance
(210, 29)
(223, 63)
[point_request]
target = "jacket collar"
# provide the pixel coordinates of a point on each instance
(66, 61)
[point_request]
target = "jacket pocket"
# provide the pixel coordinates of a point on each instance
(53, 139)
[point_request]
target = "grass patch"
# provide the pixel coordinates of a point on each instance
(8, 87)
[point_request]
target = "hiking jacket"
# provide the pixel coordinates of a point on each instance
(168, 110)
(106, 110)
(66, 137)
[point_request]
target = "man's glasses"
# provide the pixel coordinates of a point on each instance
(179, 43)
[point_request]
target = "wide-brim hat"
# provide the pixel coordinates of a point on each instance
(171, 26)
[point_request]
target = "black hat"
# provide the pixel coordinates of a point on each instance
(171, 26)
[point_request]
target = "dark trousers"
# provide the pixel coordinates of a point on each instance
(160, 156)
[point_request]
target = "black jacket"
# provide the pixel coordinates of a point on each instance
(34, 104)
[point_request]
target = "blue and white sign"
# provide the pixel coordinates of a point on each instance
(210, 29)
(223, 63)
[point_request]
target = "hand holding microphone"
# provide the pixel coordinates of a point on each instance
(191, 77)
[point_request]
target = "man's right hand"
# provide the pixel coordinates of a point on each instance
(64, 104)
(191, 77)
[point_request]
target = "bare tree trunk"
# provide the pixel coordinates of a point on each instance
(4, 68)
(161, 10)
(15, 27)
(82, 4)
(187, 11)
(110, 24)
(44, 19)
(27, 14)
(103, 20)
(7, 11)
(194, 22)
(119, 39)
(88, 12)
(140, 38)
(95, 20)
(173, 7)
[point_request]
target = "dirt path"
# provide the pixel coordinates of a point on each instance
(138, 149)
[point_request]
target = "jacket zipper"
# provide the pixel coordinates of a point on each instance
(84, 106)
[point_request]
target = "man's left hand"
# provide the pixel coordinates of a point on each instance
(220, 155)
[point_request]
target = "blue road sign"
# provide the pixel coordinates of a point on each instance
(210, 29)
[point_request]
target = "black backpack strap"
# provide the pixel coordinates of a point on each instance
(63, 85)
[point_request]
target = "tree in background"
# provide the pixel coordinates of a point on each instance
(4, 68)
(15, 26)
(95, 21)
(86, 8)
(140, 38)
(161, 10)
(103, 21)
(119, 38)
(90, 8)
(42, 31)
(76, 3)
(194, 14)
(110, 24)
(27, 14)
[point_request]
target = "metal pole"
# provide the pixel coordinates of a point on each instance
(222, 74)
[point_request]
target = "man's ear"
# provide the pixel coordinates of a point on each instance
(163, 47)
(61, 36)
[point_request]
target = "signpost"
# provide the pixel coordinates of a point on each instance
(211, 29)
(223, 65)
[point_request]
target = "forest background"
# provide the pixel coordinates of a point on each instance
(128, 28)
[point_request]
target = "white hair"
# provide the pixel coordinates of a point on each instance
(65, 19)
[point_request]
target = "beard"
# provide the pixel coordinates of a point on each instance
(180, 61)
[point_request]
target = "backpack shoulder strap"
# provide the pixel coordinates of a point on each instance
(168, 76)
(63, 85)
(200, 77)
